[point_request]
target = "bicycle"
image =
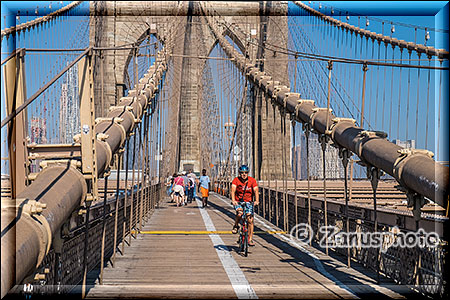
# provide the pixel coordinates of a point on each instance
(243, 234)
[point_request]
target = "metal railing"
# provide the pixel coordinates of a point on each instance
(420, 268)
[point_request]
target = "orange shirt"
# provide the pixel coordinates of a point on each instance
(248, 195)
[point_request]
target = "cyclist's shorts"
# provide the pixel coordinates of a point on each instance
(247, 207)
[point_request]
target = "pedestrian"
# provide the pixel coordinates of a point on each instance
(204, 185)
(186, 186)
(192, 184)
(191, 188)
(178, 189)
(169, 184)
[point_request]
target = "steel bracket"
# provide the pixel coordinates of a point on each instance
(323, 140)
(374, 174)
(314, 114)
(112, 120)
(31, 210)
(405, 155)
(73, 163)
(122, 108)
(366, 135)
(345, 155)
(416, 202)
(336, 121)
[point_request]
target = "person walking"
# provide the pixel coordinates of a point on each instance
(169, 184)
(243, 188)
(186, 187)
(204, 186)
(178, 189)
(192, 185)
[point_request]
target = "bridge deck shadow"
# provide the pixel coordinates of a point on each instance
(362, 281)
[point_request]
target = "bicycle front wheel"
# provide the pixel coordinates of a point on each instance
(246, 244)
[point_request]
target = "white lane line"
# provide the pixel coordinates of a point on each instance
(241, 286)
(316, 260)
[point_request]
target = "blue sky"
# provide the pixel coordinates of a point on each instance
(411, 21)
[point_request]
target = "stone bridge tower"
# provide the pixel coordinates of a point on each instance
(121, 22)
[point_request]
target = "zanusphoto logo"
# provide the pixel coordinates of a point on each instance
(333, 237)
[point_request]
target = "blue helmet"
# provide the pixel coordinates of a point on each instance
(243, 168)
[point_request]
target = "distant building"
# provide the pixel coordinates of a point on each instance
(408, 144)
(38, 129)
(69, 112)
(333, 164)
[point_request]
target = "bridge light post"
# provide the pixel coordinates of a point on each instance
(229, 127)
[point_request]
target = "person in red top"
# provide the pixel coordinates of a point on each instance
(243, 188)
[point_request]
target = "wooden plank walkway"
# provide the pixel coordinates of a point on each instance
(190, 266)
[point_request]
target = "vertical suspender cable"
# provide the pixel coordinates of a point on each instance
(147, 165)
(418, 97)
(285, 193)
(306, 130)
(392, 92)
(345, 156)
(267, 168)
(378, 81)
(125, 204)
(116, 210)
(363, 95)
(141, 195)
(407, 104)
(295, 173)
(399, 95)
(330, 67)
(323, 140)
(275, 171)
(85, 252)
(428, 102)
(102, 255)
(441, 73)
(132, 186)
(384, 88)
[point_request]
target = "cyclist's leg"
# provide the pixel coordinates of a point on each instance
(250, 219)
(239, 214)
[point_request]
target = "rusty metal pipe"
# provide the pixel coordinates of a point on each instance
(60, 189)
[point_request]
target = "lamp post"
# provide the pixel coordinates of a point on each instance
(229, 128)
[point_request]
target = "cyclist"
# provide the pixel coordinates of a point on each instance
(243, 188)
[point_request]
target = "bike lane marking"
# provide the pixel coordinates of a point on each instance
(238, 281)
(316, 259)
